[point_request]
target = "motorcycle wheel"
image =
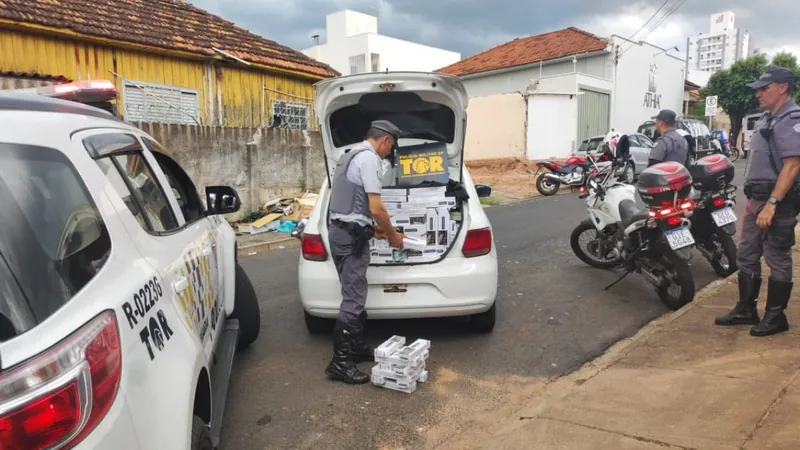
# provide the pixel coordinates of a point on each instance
(680, 278)
(546, 186)
(594, 261)
(734, 154)
(725, 266)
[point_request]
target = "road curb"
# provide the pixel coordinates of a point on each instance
(266, 247)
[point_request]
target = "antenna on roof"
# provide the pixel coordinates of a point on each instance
(316, 39)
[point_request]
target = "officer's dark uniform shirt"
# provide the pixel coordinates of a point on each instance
(786, 132)
(670, 147)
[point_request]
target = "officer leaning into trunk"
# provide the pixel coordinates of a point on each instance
(355, 202)
(772, 188)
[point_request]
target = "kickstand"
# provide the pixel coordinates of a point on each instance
(627, 272)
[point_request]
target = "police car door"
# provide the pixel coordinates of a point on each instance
(172, 318)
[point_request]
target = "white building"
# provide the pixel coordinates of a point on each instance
(354, 46)
(569, 88)
(721, 47)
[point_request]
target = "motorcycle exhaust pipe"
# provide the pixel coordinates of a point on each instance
(554, 177)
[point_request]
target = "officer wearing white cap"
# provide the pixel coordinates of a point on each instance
(670, 146)
(355, 203)
(773, 200)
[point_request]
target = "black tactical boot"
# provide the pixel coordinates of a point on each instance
(745, 312)
(359, 350)
(774, 321)
(342, 367)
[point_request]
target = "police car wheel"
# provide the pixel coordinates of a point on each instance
(246, 309)
(318, 325)
(201, 435)
(484, 322)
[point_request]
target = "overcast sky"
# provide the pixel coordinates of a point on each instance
(471, 26)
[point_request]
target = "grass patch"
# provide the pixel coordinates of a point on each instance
(489, 201)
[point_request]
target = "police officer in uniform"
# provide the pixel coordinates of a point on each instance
(771, 188)
(670, 146)
(355, 203)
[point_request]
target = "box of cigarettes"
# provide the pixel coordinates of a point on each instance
(395, 384)
(389, 346)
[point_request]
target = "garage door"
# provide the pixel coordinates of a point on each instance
(593, 114)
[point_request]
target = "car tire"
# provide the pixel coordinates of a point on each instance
(318, 325)
(201, 435)
(484, 322)
(246, 309)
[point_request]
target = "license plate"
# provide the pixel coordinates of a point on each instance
(723, 216)
(395, 288)
(679, 238)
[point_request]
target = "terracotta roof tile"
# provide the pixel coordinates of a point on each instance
(167, 24)
(528, 50)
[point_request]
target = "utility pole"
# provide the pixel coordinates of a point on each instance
(614, 109)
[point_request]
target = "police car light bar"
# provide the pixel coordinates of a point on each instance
(79, 87)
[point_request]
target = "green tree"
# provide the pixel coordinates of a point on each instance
(789, 60)
(730, 86)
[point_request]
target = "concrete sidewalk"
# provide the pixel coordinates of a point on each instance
(680, 383)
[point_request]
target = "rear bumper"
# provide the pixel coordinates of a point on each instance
(456, 286)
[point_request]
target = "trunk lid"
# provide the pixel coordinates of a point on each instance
(427, 107)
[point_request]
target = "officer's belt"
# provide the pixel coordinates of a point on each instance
(362, 233)
(759, 191)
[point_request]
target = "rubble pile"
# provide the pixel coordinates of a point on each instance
(281, 215)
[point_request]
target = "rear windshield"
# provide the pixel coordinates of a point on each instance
(416, 117)
(52, 239)
(590, 145)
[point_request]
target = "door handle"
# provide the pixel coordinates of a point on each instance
(181, 284)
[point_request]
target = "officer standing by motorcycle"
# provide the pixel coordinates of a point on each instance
(670, 146)
(773, 200)
(355, 203)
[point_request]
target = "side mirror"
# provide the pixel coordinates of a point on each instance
(222, 200)
(483, 190)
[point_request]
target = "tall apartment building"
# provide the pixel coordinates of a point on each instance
(720, 48)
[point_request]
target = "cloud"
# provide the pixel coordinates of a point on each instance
(471, 26)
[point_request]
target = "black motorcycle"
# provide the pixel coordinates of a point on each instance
(714, 219)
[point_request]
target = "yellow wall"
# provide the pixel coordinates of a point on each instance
(240, 88)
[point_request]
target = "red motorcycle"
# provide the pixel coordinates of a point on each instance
(574, 173)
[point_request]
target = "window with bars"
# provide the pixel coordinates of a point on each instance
(289, 115)
(160, 103)
(358, 64)
(375, 59)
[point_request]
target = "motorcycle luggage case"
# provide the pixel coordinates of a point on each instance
(658, 184)
(712, 173)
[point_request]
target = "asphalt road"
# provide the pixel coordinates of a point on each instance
(553, 316)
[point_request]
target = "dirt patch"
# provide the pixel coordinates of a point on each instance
(511, 179)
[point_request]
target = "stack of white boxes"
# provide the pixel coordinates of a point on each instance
(421, 213)
(400, 367)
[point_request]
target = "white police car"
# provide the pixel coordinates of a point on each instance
(121, 300)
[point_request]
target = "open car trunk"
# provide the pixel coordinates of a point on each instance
(422, 178)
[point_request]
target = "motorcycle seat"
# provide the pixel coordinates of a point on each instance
(629, 213)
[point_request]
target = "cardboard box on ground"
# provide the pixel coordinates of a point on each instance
(280, 214)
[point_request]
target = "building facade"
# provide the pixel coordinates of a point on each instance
(354, 46)
(574, 85)
(170, 61)
(721, 47)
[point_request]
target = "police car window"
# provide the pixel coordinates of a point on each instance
(114, 177)
(147, 191)
(182, 186)
(53, 240)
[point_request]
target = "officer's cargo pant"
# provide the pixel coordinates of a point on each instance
(774, 244)
(352, 270)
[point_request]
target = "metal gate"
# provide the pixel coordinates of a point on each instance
(593, 114)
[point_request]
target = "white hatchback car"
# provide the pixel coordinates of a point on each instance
(121, 298)
(459, 277)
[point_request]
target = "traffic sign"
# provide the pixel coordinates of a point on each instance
(711, 106)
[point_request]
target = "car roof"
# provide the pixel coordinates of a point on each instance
(24, 116)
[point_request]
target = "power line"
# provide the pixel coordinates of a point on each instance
(648, 20)
(666, 16)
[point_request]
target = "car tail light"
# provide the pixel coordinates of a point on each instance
(56, 399)
(477, 243)
(313, 248)
(718, 202)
